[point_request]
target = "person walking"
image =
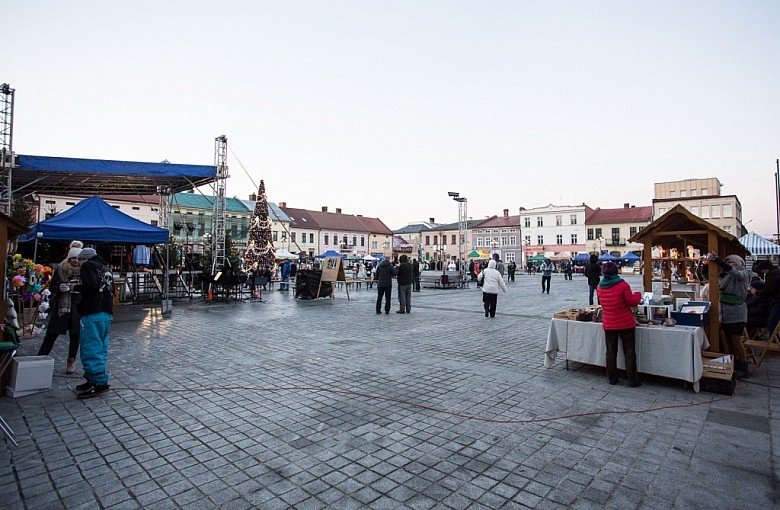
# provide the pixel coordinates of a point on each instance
(593, 273)
(96, 309)
(492, 282)
(499, 265)
(284, 275)
(618, 321)
(547, 268)
(733, 283)
(415, 275)
(384, 284)
(63, 316)
(404, 279)
(511, 268)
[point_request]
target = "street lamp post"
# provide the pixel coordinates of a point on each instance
(600, 240)
(462, 227)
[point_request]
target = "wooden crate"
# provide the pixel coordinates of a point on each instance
(718, 376)
(569, 315)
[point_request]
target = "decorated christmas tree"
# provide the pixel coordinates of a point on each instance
(260, 248)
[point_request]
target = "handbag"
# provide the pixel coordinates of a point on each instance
(480, 282)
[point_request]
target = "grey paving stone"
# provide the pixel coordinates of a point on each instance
(304, 409)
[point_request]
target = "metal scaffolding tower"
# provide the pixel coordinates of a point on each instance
(219, 214)
(6, 145)
(463, 218)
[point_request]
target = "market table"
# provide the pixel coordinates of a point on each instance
(669, 352)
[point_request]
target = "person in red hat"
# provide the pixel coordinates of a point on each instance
(616, 300)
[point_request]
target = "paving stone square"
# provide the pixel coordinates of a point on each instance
(325, 404)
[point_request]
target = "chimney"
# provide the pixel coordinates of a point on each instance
(431, 220)
(324, 208)
(283, 205)
(506, 213)
(625, 205)
(253, 197)
(338, 210)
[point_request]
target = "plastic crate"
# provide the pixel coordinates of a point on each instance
(685, 318)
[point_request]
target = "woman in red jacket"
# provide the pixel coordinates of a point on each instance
(616, 300)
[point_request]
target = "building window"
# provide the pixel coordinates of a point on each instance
(509, 256)
(705, 211)
(354, 240)
(50, 202)
(661, 210)
(362, 241)
(716, 211)
(682, 193)
(70, 203)
(292, 236)
(693, 192)
(539, 221)
(695, 210)
(727, 228)
(559, 239)
(574, 239)
(374, 245)
(540, 240)
(512, 240)
(573, 219)
(671, 194)
(598, 232)
(435, 239)
(632, 231)
(427, 241)
(558, 220)
(136, 208)
(504, 240)
(324, 239)
(590, 234)
(527, 222)
(284, 236)
(616, 235)
(153, 223)
(344, 240)
(727, 213)
(311, 238)
(527, 240)
(454, 239)
(704, 192)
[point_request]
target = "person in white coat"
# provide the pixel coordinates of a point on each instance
(492, 282)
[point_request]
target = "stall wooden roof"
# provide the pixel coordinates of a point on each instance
(679, 223)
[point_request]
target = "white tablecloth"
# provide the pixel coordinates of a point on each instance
(668, 352)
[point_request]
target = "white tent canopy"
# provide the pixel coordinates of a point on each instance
(283, 254)
(759, 246)
(369, 257)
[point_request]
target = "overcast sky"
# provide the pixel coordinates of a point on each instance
(382, 107)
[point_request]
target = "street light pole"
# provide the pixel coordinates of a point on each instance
(462, 227)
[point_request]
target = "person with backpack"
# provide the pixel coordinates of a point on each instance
(96, 310)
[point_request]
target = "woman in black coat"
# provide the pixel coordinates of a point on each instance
(593, 272)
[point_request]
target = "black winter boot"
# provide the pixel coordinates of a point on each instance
(741, 369)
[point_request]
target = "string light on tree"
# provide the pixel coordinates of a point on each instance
(260, 248)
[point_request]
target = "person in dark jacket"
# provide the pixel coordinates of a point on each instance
(593, 273)
(63, 316)
(415, 275)
(757, 307)
(618, 321)
(404, 279)
(733, 282)
(384, 280)
(96, 309)
(771, 290)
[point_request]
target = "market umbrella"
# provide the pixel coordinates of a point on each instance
(369, 257)
(474, 254)
(607, 256)
(327, 254)
(537, 258)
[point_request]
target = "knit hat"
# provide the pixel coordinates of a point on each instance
(757, 284)
(73, 253)
(87, 253)
(736, 260)
(609, 267)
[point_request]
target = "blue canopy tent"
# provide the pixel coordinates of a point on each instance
(329, 253)
(582, 257)
(606, 256)
(94, 220)
(629, 258)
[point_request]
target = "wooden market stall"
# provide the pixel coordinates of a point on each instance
(681, 240)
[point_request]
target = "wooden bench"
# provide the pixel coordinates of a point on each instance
(448, 280)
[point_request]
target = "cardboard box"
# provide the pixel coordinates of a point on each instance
(718, 374)
(29, 375)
